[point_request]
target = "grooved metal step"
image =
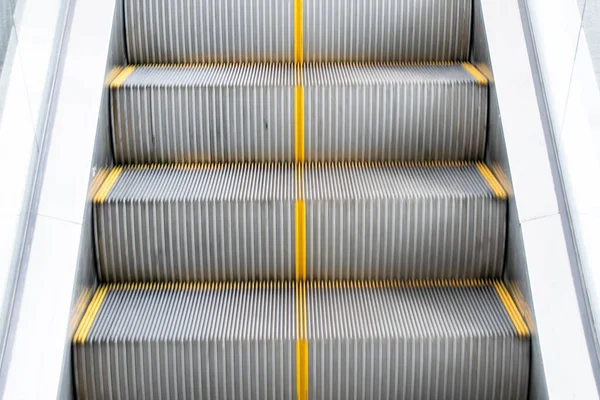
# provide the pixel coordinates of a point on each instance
(247, 112)
(344, 220)
(191, 31)
(280, 340)
(299, 210)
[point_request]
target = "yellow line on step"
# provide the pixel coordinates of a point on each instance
(475, 73)
(118, 81)
(491, 180)
(300, 240)
(512, 310)
(298, 32)
(300, 214)
(301, 342)
(300, 224)
(90, 316)
(299, 115)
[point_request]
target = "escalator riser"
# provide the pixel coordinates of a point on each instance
(241, 222)
(225, 113)
(364, 341)
(194, 31)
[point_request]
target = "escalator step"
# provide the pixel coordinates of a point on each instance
(192, 31)
(284, 221)
(278, 340)
(349, 112)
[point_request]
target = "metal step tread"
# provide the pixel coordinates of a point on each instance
(213, 340)
(258, 112)
(251, 221)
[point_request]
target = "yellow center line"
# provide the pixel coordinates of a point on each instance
(299, 115)
(301, 343)
(300, 214)
(298, 32)
(300, 208)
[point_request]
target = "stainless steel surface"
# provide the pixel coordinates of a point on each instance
(197, 31)
(390, 340)
(364, 221)
(352, 112)
(238, 222)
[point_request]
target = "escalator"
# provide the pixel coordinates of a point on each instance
(300, 209)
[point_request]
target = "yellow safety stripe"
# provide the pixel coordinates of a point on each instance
(90, 315)
(107, 185)
(512, 310)
(491, 180)
(301, 343)
(113, 73)
(122, 76)
(517, 295)
(97, 182)
(475, 73)
(502, 179)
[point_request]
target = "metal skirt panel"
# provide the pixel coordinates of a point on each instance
(235, 113)
(239, 341)
(216, 31)
(238, 222)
